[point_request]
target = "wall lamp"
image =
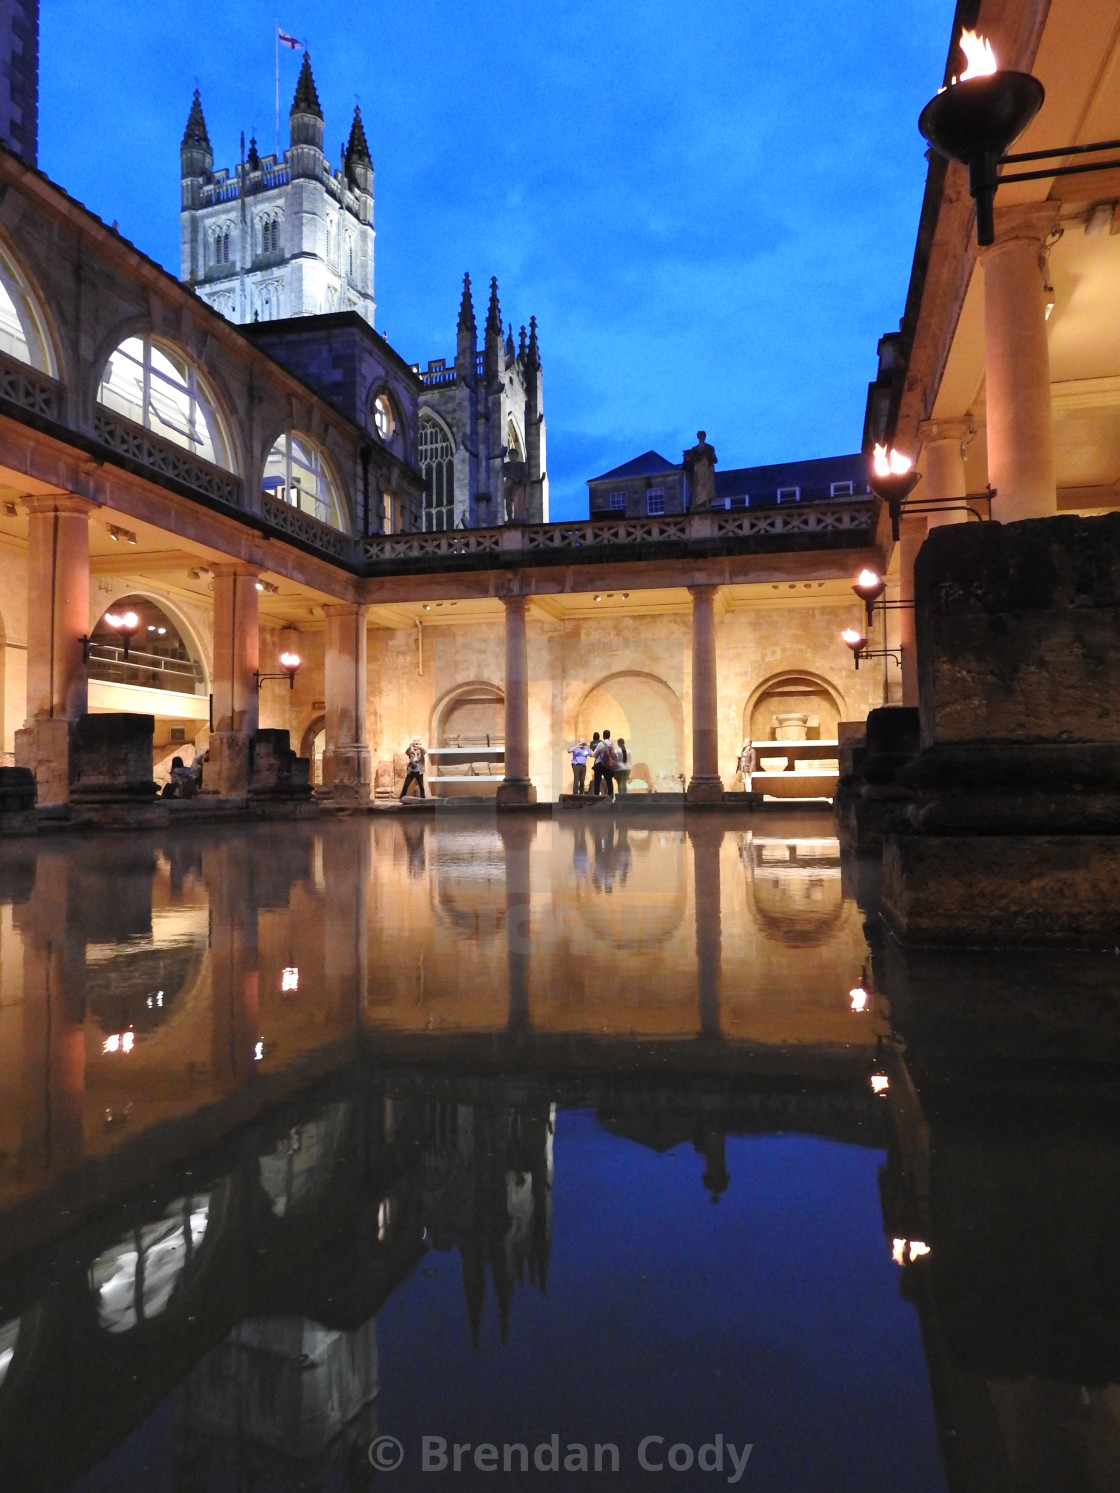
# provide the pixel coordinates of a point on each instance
(120, 535)
(857, 642)
(976, 118)
(893, 479)
(289, 666)
(124, 625)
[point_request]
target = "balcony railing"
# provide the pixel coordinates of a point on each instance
(30, 389)
(166, 458)
(306, 529)
(149, 670)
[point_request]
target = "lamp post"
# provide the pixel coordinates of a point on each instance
(289, 668)
(124, 625)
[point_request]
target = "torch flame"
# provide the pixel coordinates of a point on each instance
(892, 463)
(978, 54)
(868, 578)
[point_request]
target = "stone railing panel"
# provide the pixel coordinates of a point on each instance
(306, 529)
(169, 460)
(30, 389)
(442, 543)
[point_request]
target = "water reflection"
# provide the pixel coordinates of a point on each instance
(423, 1114)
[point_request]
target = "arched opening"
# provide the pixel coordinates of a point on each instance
(437, 467)
(156, 386)
(23, 327)
(313, 744)
(466, 754)
(793, 888)
(648, 715)
(514, 443)
(297, 472)
(793, 720)
(135, 1280)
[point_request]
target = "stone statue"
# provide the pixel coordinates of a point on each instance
(700, 464)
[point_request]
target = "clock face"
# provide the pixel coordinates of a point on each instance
(383, 416)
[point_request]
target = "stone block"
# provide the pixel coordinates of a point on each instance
(275, 769)
(1018, 631)
(112, 759)
(347, 772)
(227, 769)
(851, 736)
(45, 748)
(1003, 890)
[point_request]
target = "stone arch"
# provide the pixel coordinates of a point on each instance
(472, 710)
(33, 336)
(292, 454)
(311, 745)
(199, 650)
(151, 362)
(646, 711)
(794, 691)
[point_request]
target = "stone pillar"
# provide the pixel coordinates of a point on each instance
(1020, 425)
(944, 467)
(516, 788)
(57, 621)
(346, 760)
(236, 658)
(912, 535)
(705, 786)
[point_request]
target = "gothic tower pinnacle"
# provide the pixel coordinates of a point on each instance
(195, 153)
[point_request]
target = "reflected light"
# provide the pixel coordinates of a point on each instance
(119, 1042)
(258, 1051)
(289, 980)
(859, 998)
(880, 1083)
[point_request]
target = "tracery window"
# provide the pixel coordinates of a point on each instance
(158, 388)
(513, 443)
(297, 472)
(437, 466)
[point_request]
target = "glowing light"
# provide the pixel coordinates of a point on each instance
(289, 980)
(859, 998)
(880, 1083)
(289, 661)
(119, 1042)
(130, 622)
(903, 1251)
(890, 463)
(898, 1252)
(869, 579)
(855, 640)
(258, 1052)
(978, 55)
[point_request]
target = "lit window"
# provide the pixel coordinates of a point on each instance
(437, 465)
(841, 489)
(789, 494)
(157, 388)
(383, 416)
(296, 472)
(22, 335)
(513, 443)
(617, 502)
(135, 1280)
(655, 503)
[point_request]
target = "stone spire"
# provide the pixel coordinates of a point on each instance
(357, 147)
(509, 344)
(466, 305)
(196, 156)
(306, 100)
(196, 133)
(534, 353)
(494, 313)
(521, 347)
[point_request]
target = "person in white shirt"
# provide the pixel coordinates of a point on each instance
(415, 773)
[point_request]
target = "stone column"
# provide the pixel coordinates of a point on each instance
(236, 658)
(346, 759)
(944, 467)
(912, 535)
(705, 786)
(57, 621)
(1020, 425)
(516, 788)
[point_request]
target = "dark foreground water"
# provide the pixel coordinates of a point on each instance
(464, 1154)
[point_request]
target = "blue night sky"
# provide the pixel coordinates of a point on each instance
(710, 211)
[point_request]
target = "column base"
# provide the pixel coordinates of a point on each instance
(515, 791)
(704, 791)
(347, 772)
(227, 771)
(47, 748)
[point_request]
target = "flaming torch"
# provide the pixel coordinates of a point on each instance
(893, 479)
(977, 118)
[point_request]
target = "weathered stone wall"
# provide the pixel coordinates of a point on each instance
(19, 77)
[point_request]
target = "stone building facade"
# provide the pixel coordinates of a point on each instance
(285, 247)
(649, 485)
(19, 77)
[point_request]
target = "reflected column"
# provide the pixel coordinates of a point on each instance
(346, 759)
(518, 833)
(57, 623)
(706, 840)
(516, 787)
(236, 659)
(346, 870)
(234, 961)
(705, 785)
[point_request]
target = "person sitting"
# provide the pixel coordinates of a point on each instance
(181, 784)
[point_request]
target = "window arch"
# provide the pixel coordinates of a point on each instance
(157, 387)
(384, 416)
(297, 472)
(23, 330)
(513, 442)
(437, 466)
(160, 655)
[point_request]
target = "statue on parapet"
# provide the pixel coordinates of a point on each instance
(700, 464)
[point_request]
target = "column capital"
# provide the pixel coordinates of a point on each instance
(515, 603)
(345, 609)
(706, 591)
(59, 502)
(224, 568)
(947, 428)
(1025, 222)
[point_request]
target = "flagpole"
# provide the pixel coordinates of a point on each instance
(276, 39)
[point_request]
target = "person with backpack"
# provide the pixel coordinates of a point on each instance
(604, 765)
(622, 770)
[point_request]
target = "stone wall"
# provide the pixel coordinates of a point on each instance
(19, 77)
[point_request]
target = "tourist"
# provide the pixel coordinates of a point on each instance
(181, 784)
(415, 773)
(622, 770)
(579, 755)
(604, 765)
(748, 762)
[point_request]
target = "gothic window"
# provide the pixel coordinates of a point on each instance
(513, 443)
(332, 251)
(350, 253)
(274, 237)
(156, 387)
(437, 467)
(23, 333)
(297, 472)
